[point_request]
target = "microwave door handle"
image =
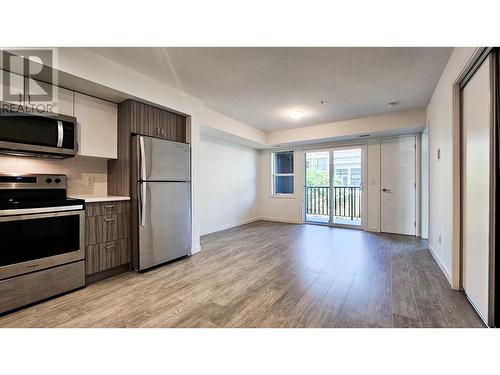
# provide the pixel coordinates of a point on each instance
(60, 133)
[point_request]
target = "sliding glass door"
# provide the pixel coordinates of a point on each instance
(318, 187)
(333, 188)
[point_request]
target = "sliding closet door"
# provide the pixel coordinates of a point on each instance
(476, 125)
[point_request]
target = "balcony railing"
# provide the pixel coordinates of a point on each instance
(347, 201)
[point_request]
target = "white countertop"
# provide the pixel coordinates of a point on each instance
(101, 198)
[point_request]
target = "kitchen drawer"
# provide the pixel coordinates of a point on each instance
(104, 256)
(107, 228)
(32, 287)
(106, 208)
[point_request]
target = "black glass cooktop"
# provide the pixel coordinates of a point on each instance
(35, 198)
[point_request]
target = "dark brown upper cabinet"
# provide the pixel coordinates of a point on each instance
(155, 122)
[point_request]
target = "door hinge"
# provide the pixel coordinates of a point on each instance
(415, 224)
(415, 185)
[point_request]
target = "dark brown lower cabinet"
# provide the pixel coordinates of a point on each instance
(104, 256)
(107, 239)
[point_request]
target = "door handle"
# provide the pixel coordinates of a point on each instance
(60, 133)
(386, 190)
(142, 187)
(142, 198)
(142, 159)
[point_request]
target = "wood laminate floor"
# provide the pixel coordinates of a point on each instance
(268, 274)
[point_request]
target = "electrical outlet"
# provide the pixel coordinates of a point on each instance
(89, 180)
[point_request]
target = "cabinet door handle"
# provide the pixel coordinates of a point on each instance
(109, 220)
(109, 247)
(109, 206)
(20, 98)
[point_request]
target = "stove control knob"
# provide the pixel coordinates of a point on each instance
(57, 180)
(48, 180)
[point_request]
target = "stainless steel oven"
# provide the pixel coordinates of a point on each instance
(37, 241)
(42, 235)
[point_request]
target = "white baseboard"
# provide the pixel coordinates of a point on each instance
(280, 220)
(195, 249)
(440, 264)
(228, 226)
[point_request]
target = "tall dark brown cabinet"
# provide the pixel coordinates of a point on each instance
(133, 118)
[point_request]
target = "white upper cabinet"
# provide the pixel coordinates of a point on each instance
(97, 127)
(11, 87)
(62, 100)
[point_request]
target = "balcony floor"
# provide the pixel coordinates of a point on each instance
(324, 219)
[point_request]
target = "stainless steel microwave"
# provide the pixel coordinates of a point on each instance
(37, 134)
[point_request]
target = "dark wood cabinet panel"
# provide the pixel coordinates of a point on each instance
(139, 118)
(106, 208)
(107, 228)
(155, 122)
(107, 237)
(104, 256)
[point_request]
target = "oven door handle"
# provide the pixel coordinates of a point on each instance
(47, 211)
(60, 133)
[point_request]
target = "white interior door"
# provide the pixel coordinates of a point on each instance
(398, 185)
(476, 112)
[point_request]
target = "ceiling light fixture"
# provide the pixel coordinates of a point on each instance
(391, 104)
(296, 115)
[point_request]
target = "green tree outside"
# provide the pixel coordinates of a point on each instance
(315, 177)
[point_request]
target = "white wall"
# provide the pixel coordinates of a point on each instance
(403, 122)
(440, 122)
(228, 184)
(373, 185)
(424, 181)
(287, 209)
(290, 209)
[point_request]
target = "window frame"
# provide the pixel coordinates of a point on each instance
(273, 175)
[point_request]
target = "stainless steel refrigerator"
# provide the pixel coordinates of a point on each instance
(161, 201)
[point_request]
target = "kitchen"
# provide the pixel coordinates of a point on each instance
(97, 178)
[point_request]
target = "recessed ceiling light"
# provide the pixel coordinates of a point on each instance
(296, 115)
(391, 104)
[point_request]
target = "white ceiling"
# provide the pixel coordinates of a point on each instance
(261, 86)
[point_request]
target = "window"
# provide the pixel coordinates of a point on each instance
(282, 172)
(340, 176)
(355, 177)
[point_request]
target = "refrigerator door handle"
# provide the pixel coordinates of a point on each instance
(142, 199)
(142, 159)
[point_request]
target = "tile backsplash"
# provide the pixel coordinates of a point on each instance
(77, 169)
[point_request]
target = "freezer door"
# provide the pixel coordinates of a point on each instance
(164, 222)
(160, 160)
